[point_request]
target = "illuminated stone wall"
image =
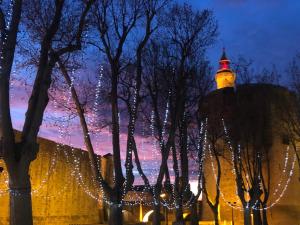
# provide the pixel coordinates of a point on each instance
(58, 198)
(219, 104)
(287, 210)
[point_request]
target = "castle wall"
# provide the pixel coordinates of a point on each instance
(228, 193)
(254, 99)
(59, 190)
(287, 209)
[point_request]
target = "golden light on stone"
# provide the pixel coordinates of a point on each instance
(225, 77)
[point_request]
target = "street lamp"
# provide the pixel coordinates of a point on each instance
(232, 216)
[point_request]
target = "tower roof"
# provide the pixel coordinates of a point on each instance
(223, 57)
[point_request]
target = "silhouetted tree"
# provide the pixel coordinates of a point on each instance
(115, 22)
(251, 144)
(290, 108)
(53, 43)
(175, 62)
(214, 134)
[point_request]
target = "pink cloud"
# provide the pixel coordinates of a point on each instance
(71, 132)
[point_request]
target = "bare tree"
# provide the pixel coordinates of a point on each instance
(268, 76)
(115, 22)
(174, 61)
(248, 74)
(252, 141)
(19, 154)
(243, 67)
(190, 32)
(216, 149)
(290, 110)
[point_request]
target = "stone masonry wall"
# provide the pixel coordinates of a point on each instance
(61, 194)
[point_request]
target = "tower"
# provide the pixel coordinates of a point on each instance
(224, 77)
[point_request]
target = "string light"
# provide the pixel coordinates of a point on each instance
(283, 190)
(278, 185)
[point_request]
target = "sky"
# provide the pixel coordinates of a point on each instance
(266, 31)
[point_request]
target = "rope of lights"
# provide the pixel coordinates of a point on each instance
(278, 185)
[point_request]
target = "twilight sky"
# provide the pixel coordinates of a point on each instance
(267, 31)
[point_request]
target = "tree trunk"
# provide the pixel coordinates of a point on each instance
(115, 215)
(194, 214)
(179, 216)
(247, 216)
(265, 218)
(20, 192)
(216, 215)
(156, 215)
(119, 179)
(257, 217)
(216, 219)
